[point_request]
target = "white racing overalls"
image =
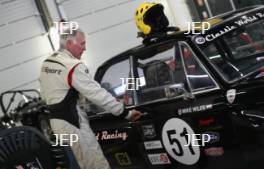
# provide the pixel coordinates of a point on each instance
(62, 79)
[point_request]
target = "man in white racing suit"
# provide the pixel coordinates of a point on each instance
(63, 77)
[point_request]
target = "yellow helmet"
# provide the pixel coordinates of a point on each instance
(147, 17)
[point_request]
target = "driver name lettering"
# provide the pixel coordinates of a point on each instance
(105, 135)
(195, 109)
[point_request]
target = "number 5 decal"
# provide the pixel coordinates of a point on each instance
(178, 143)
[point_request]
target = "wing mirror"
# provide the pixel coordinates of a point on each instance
(178, 90)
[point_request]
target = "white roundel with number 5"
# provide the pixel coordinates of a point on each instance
(180, 142)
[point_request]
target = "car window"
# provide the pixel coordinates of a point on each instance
(217, 56)
(246, 41)
(159, 73)
(114, 81)
(117, 79)
(198, 77)
(111, 80)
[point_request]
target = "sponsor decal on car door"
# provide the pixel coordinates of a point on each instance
(157, 159)
(150, 145)
(176, 141)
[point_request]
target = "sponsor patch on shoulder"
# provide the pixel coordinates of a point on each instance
(157, 159)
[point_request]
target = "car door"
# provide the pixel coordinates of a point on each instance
(115, 135)
(180, 101)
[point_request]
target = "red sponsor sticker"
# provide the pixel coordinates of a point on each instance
(164, 158)
(19, 167)
(159, 159)
(262, 71)
(214, 151)
(206, 122)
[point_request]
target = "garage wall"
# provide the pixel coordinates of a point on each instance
(108, 24)
(23, 44)
(180, 12)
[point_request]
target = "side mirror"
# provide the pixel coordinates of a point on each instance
(178, 90)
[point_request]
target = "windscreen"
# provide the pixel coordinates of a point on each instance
(237, 52)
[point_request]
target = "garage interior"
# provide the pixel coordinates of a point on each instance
(27, 26)
(28, 33)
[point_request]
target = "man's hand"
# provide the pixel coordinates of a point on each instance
(134, 115)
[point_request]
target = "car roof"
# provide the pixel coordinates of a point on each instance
(214, 21)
